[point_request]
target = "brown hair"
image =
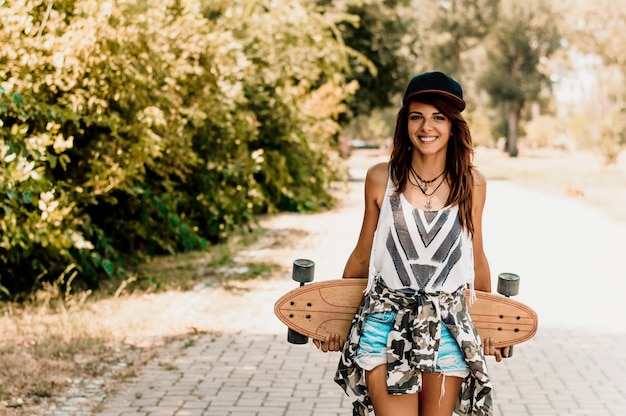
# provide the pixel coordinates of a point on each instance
(459, 156)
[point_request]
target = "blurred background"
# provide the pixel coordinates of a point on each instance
(133, 131)
(130, 129)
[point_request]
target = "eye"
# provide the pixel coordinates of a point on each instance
(415, 117)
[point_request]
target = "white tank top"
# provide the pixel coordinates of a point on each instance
(421, 250)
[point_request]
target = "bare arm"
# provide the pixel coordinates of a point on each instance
(482, 278)
(357, 265)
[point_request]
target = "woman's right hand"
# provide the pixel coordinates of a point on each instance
(490, 349)
(332, 342)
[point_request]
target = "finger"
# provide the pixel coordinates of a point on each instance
(331, 343)
(317, 344)
(323, 344)
(498, 355)
(335, 343)
(487, 348)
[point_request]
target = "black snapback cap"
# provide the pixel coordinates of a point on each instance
(435, 83)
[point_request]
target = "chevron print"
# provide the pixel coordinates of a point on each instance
(452, 260)
(402, 230)
(397, 261)
(427, 231)
(440, 233)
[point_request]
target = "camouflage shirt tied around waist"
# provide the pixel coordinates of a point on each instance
(413, 344)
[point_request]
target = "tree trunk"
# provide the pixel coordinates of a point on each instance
(512, 121)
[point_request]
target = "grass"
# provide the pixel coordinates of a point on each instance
(36, 367)
(51, 344)
(45, 350)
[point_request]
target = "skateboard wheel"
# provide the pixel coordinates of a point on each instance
(294, 337)
(303, 270)
(508, 284)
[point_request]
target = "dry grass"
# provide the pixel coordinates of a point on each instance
(45, 351)
(50, 346)
(578, 175)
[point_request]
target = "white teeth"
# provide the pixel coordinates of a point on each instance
(428, 139)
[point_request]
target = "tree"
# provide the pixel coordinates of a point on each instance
(595, 34)
(455, 27)
(143, 127)
(523, 38)
(597, 28)
(384, 58)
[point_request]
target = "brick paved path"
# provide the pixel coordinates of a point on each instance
(570, 259)
(262, 375)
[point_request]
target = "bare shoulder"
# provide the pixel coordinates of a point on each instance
(479, 178)
(378, 173)
(376, 182)
(480, 188)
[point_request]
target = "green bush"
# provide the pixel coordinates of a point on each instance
(147, 127)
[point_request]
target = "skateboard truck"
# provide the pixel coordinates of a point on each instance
(302, 272)
(508, 285)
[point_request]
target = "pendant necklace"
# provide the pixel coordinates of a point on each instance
(423, 185)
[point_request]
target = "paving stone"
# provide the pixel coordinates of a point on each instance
(574, 366)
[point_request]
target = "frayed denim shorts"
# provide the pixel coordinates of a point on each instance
(372, 350)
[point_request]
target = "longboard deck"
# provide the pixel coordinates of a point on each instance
(322, 308)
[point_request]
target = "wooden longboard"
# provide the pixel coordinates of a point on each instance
(322, 308)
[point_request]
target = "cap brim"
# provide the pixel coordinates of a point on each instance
(460, 104)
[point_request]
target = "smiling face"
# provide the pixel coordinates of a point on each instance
(429, 129)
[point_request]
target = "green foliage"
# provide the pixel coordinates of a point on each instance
(596, 30)
(148, 127)
(543, 130)
(381, 33)
(523, 38)
(613, 135)
(375, 129)
(454, 28)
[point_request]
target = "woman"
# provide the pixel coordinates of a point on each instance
(412, 348)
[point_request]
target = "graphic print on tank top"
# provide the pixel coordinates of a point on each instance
(436, 235)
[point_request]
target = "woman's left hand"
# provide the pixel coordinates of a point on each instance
(490, 349)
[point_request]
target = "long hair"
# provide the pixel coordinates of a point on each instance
(459, 157)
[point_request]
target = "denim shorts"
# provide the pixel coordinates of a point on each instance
(372, 350)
